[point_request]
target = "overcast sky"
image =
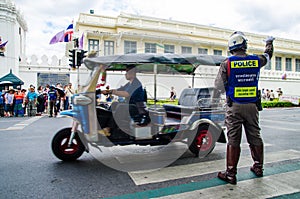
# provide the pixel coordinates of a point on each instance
(267, 17)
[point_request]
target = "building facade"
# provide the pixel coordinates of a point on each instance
(13, 29)
(128, 33)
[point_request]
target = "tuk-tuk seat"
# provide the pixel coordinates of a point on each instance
(189, 102)
(125, 114)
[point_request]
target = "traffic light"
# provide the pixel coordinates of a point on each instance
(76, 43)
(80, 56)
(72, 59)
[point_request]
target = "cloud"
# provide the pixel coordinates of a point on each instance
(271, 17)
(277, 18)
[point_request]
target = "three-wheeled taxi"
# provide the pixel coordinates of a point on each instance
(197, 120)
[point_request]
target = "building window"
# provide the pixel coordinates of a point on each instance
(129, 47)
(217, 52)
(297, 65)
(150, 48)
(94, 45)
(277, 63)
(186, 50)
(268, 66)
(202, 51)
(169, 48)
(288, 64)
(108, 48)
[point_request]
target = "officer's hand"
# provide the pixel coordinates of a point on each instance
(269, 39)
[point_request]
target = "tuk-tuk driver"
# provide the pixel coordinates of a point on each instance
(133, 90)
(133, 93)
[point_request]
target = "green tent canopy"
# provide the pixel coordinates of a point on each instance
(10, 77)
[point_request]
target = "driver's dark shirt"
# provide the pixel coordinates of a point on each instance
(135, 91)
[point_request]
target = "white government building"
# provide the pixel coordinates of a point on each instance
(129, 33)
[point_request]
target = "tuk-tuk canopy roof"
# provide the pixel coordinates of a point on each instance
(183, 63)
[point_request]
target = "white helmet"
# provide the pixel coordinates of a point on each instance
(237, 41)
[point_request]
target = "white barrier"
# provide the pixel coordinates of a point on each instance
(289, 98)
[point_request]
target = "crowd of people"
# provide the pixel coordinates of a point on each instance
(45, 100)
(269, 94)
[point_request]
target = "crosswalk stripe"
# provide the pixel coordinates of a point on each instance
(21, 125)
(270, 170)
(270, 186)
(278, 128)
(196, 169)
(278, 122)
(220, 147)
(14, 128)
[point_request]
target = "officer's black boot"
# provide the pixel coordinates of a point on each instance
(232, 159)
(257, 153)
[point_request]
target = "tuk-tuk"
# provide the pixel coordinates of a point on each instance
(197, 120)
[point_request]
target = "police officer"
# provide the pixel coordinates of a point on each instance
(238, 77)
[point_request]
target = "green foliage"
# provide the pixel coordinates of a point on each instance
(161, 102)
(265, 104)
(276, 103)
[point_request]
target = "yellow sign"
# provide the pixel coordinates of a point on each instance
(244, 64)
(245, 92)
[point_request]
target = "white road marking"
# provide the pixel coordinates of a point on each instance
(21, 125)
(196, 169)
(270, 186)
(280, 122)
(220, 147)
(279, 128)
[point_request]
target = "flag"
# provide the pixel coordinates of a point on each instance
(81, 41)
(63, 36)
(69, 33)
(2, 45)
(59, 37)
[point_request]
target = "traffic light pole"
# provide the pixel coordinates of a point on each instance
(78, 86)
(76, 58)
(80, 55)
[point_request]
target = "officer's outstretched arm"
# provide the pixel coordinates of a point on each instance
(269, 48)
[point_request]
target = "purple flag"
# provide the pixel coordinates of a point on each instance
(81, 41)
(59, 37)
(2, 45)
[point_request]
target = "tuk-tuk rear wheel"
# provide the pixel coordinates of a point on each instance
(203, 143)
(61, 149)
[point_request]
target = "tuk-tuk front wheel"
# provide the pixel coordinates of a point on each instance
(61, 148)
(204, 141)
